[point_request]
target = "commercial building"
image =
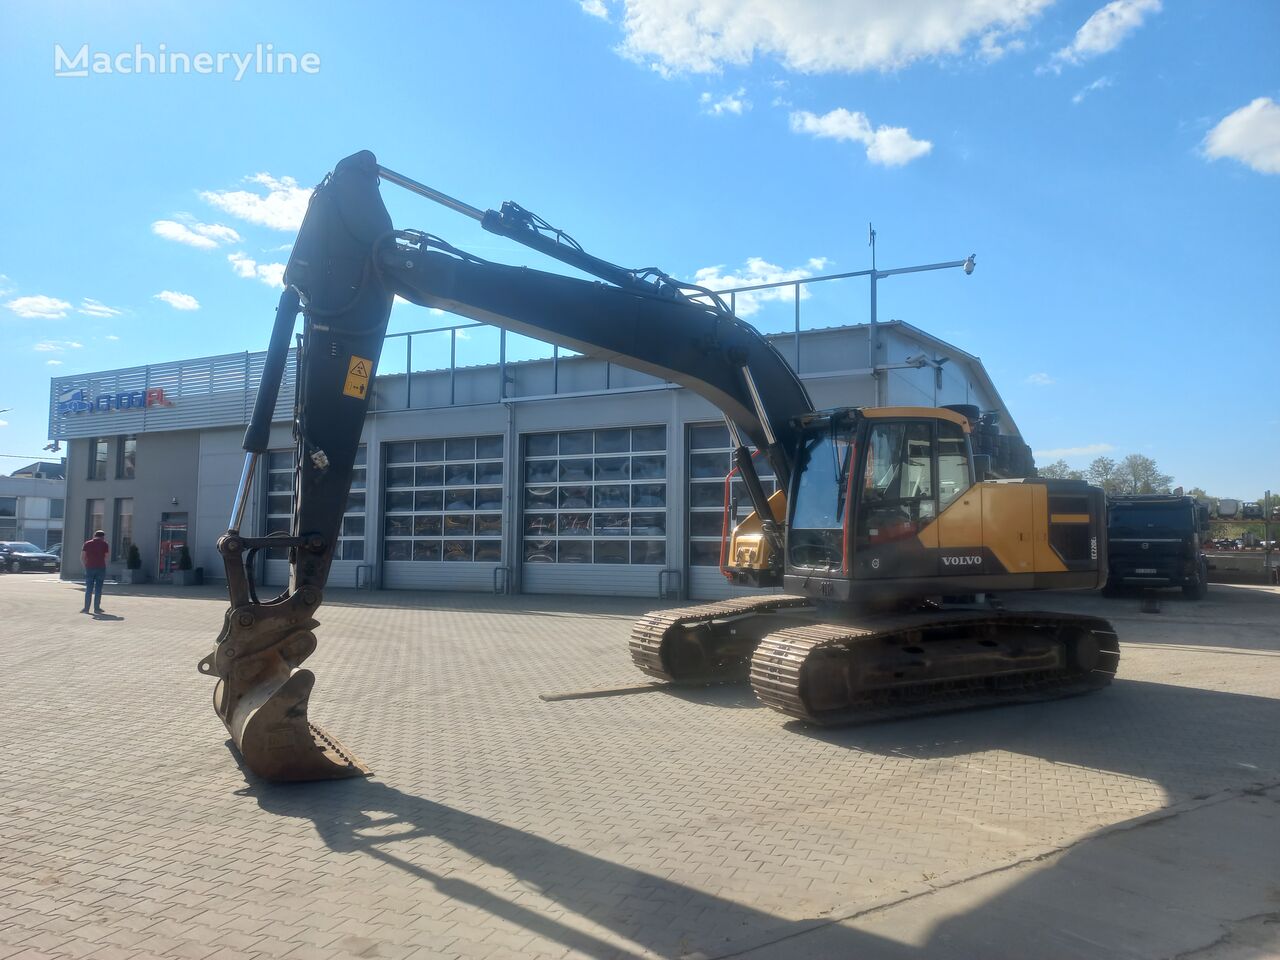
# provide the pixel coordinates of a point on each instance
(562, 474)
(32, 502)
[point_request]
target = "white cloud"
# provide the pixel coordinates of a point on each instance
(993, 46)
(179, 301)
(272, 274)
(281, 207)
(1250, 135)
(6, 286)
(4, 423)
(758, 270)
(887, 146)
(1088, 450)
(813, 36)
(734, 103)
(1100, 84)
(1105, 30)
(595, 7)
(112, 336)
(57, 346)
(204, 236)
(1040, 380)
(53, 363)
(96, 308)
(39, 307)
(242, 265)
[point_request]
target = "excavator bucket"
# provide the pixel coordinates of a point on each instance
(261, 696)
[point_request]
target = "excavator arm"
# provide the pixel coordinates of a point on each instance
(347, 265)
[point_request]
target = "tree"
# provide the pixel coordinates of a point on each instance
(1104, 473)
(1059, 470)
(1139, 474)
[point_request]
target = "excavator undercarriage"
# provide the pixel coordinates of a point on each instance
(879, 665)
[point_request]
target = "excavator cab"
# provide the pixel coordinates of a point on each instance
(886, 503)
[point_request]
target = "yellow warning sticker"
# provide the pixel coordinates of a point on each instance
(357, 384)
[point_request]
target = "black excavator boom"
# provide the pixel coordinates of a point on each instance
(347, 265)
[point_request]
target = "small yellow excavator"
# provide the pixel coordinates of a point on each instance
(885, 528)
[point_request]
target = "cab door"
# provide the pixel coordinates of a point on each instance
(896, 497)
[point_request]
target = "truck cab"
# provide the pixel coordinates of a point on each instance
(1157, 541)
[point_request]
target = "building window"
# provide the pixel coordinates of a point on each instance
(94, 517)
(56, 508)
(127, 454)
(122, 529)
(596, 496)
(442, 500)
(710, 460)
(8, 518)
(280, 505)
(98, 459)
(52, 538)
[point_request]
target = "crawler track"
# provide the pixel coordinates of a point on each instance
(709, 643)
(886, 667)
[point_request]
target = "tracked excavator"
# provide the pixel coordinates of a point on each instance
(884, 531)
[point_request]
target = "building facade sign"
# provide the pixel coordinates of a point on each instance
(78, 400)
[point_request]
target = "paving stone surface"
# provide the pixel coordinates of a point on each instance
(651, 824)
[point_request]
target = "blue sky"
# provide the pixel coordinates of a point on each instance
(1116, 169)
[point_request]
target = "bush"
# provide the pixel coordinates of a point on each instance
(184, 558)
(133, 560)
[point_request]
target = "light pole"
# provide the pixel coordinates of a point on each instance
(967, 264)
(875, 275)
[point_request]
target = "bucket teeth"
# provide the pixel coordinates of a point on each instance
(269, 726)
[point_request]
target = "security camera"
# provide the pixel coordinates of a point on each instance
(969, 263)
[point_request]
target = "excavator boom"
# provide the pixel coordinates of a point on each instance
(347, 265)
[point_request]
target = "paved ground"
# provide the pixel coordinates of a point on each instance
(1140, 822)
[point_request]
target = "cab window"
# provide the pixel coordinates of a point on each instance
(897, 482)
(817, 522)
(953, 463)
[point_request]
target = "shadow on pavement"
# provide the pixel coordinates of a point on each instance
(1135, 891)
(372, 818)
(1106, 897)
(1190, 741)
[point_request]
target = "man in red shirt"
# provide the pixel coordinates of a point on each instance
(94, 557)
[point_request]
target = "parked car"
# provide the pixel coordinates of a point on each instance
(18, 556)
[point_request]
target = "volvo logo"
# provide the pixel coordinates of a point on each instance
(962, 561)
